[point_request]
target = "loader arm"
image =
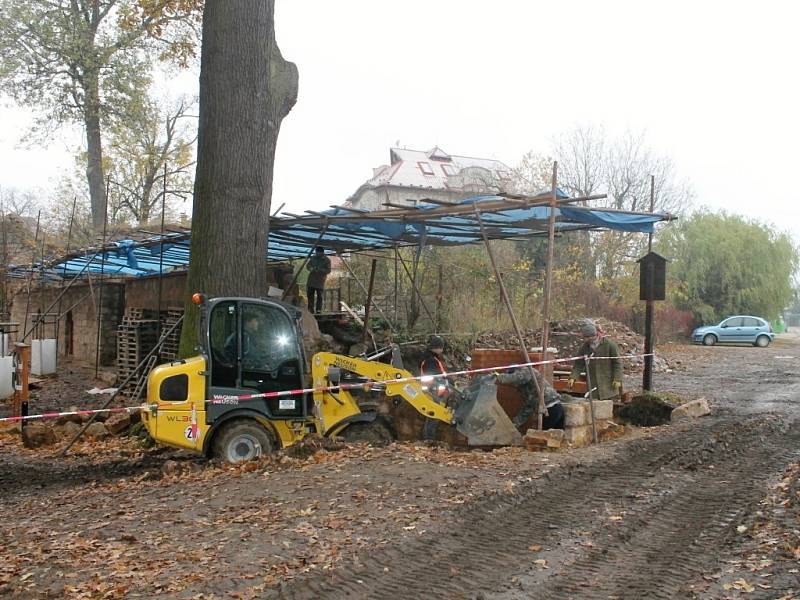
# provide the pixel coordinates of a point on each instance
(332, 408)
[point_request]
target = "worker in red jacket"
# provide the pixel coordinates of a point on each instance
(433, 364)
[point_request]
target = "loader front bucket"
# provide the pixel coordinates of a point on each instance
(481, 418)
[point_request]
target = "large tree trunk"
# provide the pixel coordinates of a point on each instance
(246, 89)
(94, 151)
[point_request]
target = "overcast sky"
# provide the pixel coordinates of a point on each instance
(714, 85)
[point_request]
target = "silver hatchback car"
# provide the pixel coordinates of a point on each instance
(736, 330)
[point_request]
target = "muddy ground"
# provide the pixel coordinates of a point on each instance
(707, 509)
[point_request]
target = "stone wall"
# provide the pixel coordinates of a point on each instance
(142, 292)
(77, 330)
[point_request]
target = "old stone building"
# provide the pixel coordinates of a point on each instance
(415, 175)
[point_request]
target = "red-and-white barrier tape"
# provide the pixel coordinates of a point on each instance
(80, 413)
(235, 399)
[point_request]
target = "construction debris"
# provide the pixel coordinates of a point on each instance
(565, 337)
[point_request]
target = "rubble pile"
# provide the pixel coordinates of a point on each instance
(565, 336)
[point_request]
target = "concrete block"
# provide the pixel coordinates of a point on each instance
(603, 410)
(576, 414)
(691, 410)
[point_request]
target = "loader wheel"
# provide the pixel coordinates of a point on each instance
(375, 433)
(242, 440)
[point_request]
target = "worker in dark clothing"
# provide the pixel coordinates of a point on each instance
(432, 364)
(605, 374)
(522, 380)
(319, 266)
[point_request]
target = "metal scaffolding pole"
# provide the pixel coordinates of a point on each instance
(370, 299)
(548, 279)
(514, 322)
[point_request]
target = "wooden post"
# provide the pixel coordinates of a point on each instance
(647, 375)
(23, 352)
(396, 284)
(548, 279)
(439, 292)
(514, 322)
(370, 299)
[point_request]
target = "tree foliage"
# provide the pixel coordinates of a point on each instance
(88, 62)
(724, 264)
(589, 163)
(158, 140)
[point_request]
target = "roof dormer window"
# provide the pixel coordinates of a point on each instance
(425, 167)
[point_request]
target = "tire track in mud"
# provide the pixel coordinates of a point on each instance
(680, 497)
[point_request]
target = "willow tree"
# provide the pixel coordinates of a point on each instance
(88, 62)
(246, 90)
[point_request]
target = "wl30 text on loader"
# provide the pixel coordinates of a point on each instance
(253, 346)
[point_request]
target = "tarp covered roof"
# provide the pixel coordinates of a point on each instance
(348, 230)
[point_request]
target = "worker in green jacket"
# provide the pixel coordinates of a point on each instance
(606, 372)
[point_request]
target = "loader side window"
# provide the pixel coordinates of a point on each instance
(175, 388)
(224, 344)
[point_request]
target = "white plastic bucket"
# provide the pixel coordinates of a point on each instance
(36, 357)
(6, 380)
(48, 357)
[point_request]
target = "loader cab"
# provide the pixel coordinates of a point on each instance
(253, 345)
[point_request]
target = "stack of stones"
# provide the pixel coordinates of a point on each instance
(577, 430)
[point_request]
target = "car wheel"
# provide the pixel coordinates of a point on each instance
(762, 341)
(709, 339)
(242, 440)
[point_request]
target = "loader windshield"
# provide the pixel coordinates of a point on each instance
(253, 345)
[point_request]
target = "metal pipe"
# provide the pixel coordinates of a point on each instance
(61, 286)
(100, 291)
(370, 299)
(586, 360)
(542, 408)
(161, 249)
(548, 279)
(30, 275)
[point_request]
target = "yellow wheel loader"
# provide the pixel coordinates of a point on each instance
(249, 390)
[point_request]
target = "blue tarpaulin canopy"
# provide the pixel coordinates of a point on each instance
(344, 229)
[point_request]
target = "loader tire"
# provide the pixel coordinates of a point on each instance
(375, 433)
(240, 440)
